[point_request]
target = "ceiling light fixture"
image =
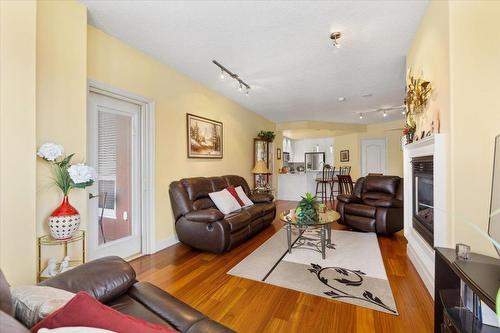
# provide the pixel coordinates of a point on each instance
(241, 84)
(385, 111)
(335, 36)
(341, 99)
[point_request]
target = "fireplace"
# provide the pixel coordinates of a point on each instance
(423, 197)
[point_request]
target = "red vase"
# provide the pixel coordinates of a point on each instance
(64, 220)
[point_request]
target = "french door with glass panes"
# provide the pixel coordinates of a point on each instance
(114, 223)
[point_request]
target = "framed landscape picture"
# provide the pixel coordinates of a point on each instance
(204, 137)
(344, 156)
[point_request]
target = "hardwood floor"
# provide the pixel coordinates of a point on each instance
(200, 280)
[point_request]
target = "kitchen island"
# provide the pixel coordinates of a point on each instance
(292, 186)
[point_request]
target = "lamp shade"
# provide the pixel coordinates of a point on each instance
(260, 167)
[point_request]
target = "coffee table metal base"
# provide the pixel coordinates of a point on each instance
(325, 239)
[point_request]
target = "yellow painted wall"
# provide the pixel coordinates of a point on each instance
(61, 97)
(17, 140)
(457, 49)
(112, 62)
(475, 116)
(391, 131)
(428, 57)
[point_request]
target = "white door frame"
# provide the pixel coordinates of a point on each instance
(148, 160)
(362, 157)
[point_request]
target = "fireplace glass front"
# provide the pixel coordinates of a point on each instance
(423, 197)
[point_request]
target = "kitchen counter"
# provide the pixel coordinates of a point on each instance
(292, 186)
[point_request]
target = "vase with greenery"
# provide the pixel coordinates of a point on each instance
(409, 132)
(267, 135)
(306, 212)
(65, 220)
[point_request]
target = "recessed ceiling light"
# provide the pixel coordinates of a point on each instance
(341, 99)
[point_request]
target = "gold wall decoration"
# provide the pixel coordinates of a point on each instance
(417, 94)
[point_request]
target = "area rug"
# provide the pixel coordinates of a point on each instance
(352, 272)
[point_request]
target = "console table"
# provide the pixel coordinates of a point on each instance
(480, 273)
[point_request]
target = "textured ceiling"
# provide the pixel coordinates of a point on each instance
(280, 48)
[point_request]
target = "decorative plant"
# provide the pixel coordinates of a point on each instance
(306, 212)
(267, 135)
(66, 175)
(417, 93)
(409, 130)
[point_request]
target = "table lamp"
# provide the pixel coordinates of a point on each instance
(260, 169)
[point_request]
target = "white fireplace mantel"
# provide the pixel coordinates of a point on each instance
(420, 253)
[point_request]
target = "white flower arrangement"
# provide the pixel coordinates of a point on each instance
(67, 176)
(81, 173)
(50, 151)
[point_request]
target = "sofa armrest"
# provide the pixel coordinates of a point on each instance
(348, 198)
(205, 215)
(261, 197)
(104, 278)
(179, 314)
(388, 203)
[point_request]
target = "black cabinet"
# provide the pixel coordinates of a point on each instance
(480, 273)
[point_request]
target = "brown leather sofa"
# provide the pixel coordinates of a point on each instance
(201, 225)
(376, 205)
(112, 281)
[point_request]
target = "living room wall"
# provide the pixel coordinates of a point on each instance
(112, 62)
(453, 50)
(391, 131)
(61, 103)
(17, 140)
(475, 116)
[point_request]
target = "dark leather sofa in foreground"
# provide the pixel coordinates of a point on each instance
(376, 205)
(112, 281)
(201, 225)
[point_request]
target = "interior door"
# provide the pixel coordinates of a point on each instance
(373, 156)
(114, 222)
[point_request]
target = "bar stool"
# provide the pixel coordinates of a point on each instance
(345, 184)
(345, 170)
(325, 181)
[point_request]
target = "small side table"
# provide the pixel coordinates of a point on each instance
(263, 190)
(47, 240)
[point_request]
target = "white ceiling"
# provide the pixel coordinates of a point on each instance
(280, 48)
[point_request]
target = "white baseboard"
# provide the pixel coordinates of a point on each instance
(425, 273)
(164, 243)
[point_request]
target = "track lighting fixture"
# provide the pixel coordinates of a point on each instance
(335, 36)
(242, 86)
(385, 111)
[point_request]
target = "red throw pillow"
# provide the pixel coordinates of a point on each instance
(232, 190)
(84, 310)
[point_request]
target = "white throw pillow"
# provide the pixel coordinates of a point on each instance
(34, 303)
(224, 201)
(246, 201)
(79, 329)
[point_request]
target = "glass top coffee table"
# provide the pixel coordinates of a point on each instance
(324, 223)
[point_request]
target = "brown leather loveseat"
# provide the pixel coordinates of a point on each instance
(112, 281)
(201, 225)
(376, 205)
